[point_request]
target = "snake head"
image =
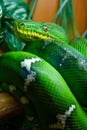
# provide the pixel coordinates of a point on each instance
(29, 30)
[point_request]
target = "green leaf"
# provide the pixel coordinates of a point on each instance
(11, 10)
(2, 35)
(1, 11)
(1, 8)
(65, 18)
(13, 43)
(18, 9)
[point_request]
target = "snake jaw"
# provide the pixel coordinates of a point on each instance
(30, 34)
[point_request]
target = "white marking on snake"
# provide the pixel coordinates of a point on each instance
(31, 76)
(60, 64)
(62, 60)
(24, 100)
(82, 62)
(61, 119)
(30, 118)
(12, 88)
(45, 44)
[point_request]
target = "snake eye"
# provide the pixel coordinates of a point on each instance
(45, 28)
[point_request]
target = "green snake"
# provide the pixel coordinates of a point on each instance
(81, 45)
(58, 54)
(57, 90)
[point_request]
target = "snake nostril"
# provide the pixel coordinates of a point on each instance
(21, 25)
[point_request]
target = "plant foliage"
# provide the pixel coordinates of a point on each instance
(11, 10)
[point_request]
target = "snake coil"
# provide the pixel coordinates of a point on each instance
(46, 82)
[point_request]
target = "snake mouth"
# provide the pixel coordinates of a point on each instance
(36, 35)
(27, 35)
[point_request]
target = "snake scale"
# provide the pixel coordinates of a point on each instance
(49, 77)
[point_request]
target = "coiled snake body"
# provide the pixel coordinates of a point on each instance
(55, 92)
